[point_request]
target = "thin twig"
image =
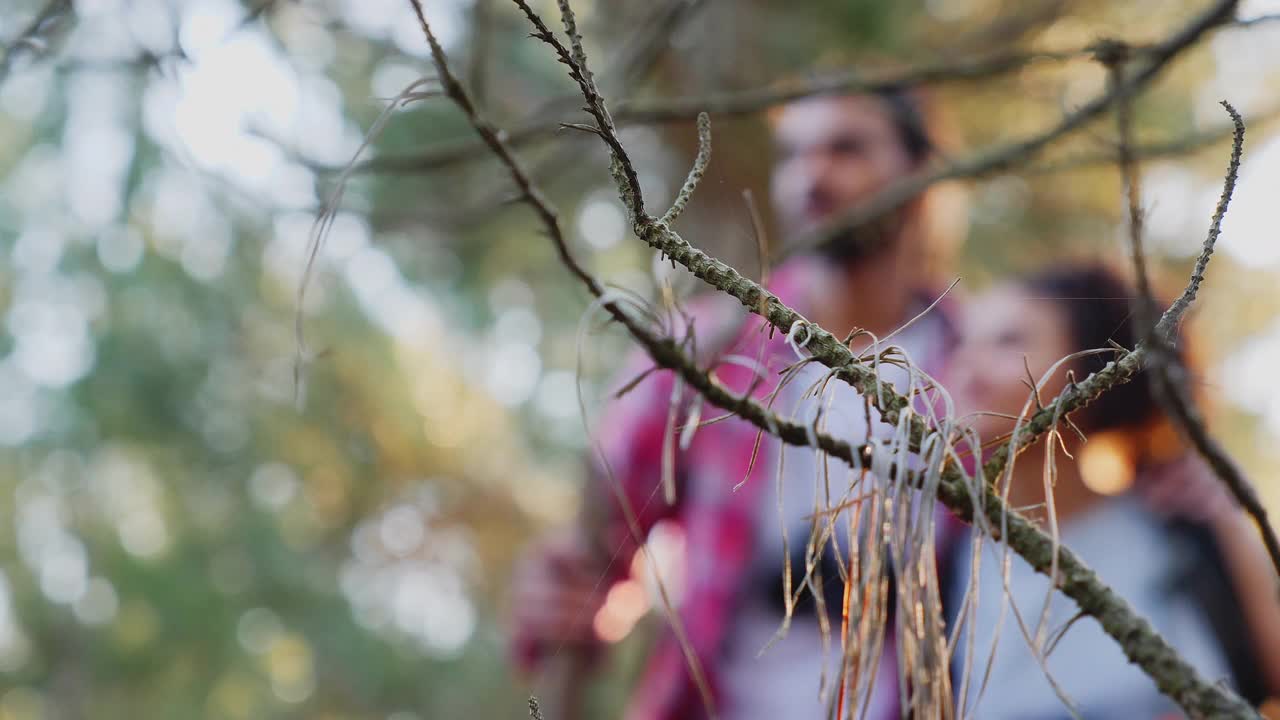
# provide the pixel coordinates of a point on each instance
(30, 37)
(916, 318)
(492, 138)
(575, 60)
(699, 168)
(848, 82)
(1167, 326)
(1259, 20)
(1144, 303)
(1168, 375)
(324, 223)
(479, 55)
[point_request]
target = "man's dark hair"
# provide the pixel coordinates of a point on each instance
(909, 121)
(908, 118)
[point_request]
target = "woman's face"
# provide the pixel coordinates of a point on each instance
(998, 330)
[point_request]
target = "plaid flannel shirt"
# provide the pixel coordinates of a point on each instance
(719, 523)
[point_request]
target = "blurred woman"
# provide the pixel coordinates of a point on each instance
(1169, 540)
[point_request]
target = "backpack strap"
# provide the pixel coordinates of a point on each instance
(1204, 578)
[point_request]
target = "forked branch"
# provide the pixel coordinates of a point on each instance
(1169, 377)
(1140, 642)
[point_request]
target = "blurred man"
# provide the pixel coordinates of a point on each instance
(833, 153)
(738, 502)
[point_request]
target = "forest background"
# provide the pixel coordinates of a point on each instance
(183, 530)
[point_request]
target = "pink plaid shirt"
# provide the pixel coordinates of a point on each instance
(719, 523)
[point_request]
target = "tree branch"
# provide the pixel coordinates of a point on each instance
(30, 37)
(1186, 145)
(1168, 375)
(742, 102)
(664, 351)
(1000, 158)
(695, 173)
(1168, 324)
(1138, 639)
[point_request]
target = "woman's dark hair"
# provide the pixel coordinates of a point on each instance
(1097, 304)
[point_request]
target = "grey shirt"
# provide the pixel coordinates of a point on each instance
(1130, 550)
(784, 680)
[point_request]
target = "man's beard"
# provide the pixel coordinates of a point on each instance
(864, 241)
